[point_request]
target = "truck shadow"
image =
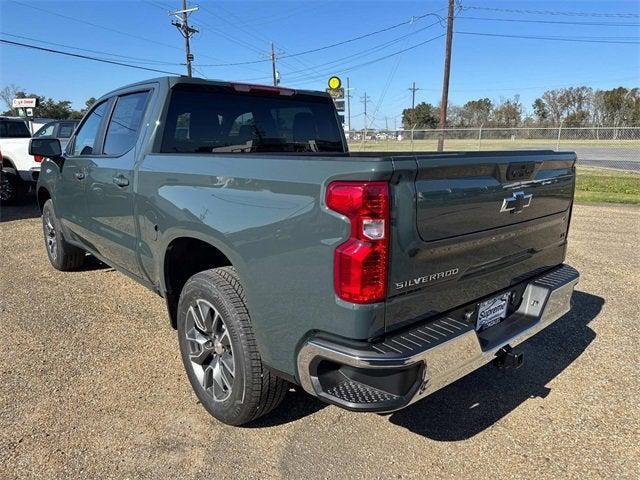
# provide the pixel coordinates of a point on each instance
(26, 208)
(296, 405)
(477, 401)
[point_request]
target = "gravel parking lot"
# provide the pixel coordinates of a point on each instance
(92, 386)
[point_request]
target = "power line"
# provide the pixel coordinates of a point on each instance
(277, 17)
(86, 57)
(413, 19)
(142, 60)
(379, 59)
(342, 62)
(552, 22)
(350, 40)
(339, 61)
(558, 39)
(260, 38)
(550, 12)
(85, 22)
(385, 90)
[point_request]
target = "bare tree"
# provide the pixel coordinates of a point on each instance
(7, 94)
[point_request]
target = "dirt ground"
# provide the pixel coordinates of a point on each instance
(91, 386)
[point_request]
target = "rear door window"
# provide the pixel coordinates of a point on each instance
(204, 119)
(122, 131)
(14, 129)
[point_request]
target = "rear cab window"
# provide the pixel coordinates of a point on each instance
(212, 119)
(14, 129)
(65, 130)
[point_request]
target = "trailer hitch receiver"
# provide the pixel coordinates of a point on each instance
(506, 357)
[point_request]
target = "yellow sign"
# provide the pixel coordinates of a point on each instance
(334, 83)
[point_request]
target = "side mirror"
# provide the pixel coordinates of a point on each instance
(45, 147)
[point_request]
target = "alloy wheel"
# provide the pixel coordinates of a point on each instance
(50, 236)
(210, 349)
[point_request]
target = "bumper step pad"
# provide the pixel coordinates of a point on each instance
(359, 393)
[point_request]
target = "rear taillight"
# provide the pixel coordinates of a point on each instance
(360, 263)
(38, 158)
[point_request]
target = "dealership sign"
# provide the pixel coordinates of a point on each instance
(24, 102)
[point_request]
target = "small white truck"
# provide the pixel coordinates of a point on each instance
(19, 169)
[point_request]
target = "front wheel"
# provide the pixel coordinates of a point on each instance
(62, 255)
(220, 352)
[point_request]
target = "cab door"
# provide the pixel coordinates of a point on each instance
(110, 184)
(69, 200)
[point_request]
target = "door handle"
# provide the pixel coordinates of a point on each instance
(80, 175)
(121, 180)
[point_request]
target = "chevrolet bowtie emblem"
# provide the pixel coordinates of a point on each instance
(516, 203)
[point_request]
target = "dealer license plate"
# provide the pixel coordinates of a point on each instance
(491, 312)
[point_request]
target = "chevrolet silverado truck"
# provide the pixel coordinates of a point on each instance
(370, 280)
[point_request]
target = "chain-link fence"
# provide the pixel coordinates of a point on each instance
(608, 147)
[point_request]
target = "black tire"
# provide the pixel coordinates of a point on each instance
(254, 389)
(12, 188)
(62, 255)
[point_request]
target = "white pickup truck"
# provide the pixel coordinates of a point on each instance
(19, 169)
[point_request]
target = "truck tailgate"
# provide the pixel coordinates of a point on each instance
(467, 225)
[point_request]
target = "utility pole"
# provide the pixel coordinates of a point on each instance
(445, 82)
(413, 89)
(273, 65)
(182, 24)
(348, 106)
(365, 99)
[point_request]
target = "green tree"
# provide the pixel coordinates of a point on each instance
(88, 104)
(476, 113)
(540, 111)
(424, 115)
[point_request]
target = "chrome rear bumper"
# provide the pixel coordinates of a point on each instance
(428, 357)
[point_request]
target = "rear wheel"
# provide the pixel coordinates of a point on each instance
(62, 255)
(220, 352)
(11, 187)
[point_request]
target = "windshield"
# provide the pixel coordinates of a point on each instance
(220, 120)
(14, 129)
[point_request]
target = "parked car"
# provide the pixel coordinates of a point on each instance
(60, 129)
(19, 170)
(36, 123)
(371, 280)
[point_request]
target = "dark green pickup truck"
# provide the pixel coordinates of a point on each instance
(370, 280)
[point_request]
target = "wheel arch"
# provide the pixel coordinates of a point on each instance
(8, 163)
(183, 257)
(42, 196)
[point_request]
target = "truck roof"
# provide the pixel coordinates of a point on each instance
(173, 80)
